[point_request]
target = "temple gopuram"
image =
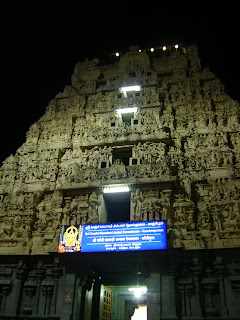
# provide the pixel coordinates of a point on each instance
(147, 140)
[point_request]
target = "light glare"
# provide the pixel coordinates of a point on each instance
(176, 46)
(115, 189)
(130, 88)
(138, 292)
(164, 48)
(127, 110)
(152, 49)
(124, 90)
(140, 313)
(117, 54)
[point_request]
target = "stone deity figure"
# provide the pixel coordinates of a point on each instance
(66, 213)
(165, 202)
(82, 217)
(137, 199)
(148, 211)
(18, 229)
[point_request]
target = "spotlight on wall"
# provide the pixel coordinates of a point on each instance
(138, 292)
(127, 110)
(124, 90)
(116, 188)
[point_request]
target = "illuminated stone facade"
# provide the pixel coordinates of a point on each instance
(178, 150)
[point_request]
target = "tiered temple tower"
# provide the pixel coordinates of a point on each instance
(161, 125)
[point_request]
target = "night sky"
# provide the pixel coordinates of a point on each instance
(41, 41)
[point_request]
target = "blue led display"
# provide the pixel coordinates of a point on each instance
(127, 236)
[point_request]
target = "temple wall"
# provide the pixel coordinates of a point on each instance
(189, 284)
(179, 152)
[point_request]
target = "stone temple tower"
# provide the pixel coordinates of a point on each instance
(158, 124)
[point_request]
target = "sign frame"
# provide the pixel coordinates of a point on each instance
(114, 237)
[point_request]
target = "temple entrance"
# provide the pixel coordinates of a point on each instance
(124, 305)
(117, 207)
(140, 313)
(123, 293)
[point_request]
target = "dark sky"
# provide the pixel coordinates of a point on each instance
(40, 42)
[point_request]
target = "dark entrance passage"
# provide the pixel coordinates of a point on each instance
(118, 206)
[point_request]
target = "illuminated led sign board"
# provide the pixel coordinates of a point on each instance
(127, 236)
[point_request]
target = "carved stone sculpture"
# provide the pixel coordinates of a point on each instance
(182, 158)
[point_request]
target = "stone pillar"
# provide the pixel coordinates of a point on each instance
(54, 297)
(172, 293)
(224, 309)
(219, 270)
(57, 272)
(168, 293)
(197, 270)
(153, 297)
(209, 284)
(186, 290)
(5, 292)
(47, 293)
(69, 291)
(30, 290)
(88, 304)
(82, 302)
(38, 276)
(14, 296)
(96, 299)
(233, 296)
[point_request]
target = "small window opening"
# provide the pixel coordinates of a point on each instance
(135, 121)
(134, 161)
(117, 206)
(122, 153)
(126, 117)
(113, 124)
(104, 164)
(132, 74)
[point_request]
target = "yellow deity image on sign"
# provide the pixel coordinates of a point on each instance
(71, 236)
(70, 239)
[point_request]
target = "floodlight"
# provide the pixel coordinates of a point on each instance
(116, 188)
(124, 90)
(127, 110)
(117, 54)
(152, 49)
(139, 291)
(176, 46)
(164, 48)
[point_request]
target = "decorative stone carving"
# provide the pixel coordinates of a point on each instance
(151, 205)
(184, 154)
(209, 284)
(184, 212)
